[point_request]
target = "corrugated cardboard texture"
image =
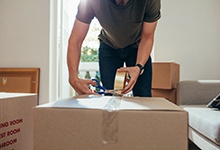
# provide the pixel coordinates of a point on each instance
(166, 75)
(81, 129)
(167, 94)
(16, 122)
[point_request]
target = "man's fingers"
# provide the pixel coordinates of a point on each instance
(88, 82)
(128, 87)
(82, 87)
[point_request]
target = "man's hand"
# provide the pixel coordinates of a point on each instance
(133, 73)
(81, 86)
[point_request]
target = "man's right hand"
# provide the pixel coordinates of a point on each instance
(81, 86)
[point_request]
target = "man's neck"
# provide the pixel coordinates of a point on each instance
(121, 2)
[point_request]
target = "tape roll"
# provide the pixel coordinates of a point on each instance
(120, 80)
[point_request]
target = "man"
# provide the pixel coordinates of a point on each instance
(127, 36)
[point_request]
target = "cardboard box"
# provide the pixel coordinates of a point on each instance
(166, 75)
(108, 123)
(167, 94)
(19, 80)
(16, 121)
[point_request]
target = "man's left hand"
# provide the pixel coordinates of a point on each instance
(133, 73)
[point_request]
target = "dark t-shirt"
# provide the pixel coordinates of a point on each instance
(121, 26)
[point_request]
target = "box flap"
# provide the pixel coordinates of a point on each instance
(123, 103)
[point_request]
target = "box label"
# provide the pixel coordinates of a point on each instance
(9, 131)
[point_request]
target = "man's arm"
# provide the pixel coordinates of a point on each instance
(146, 44)
(76, 39)
(144, 50)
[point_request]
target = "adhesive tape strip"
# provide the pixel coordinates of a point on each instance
(110, 121)
(120, 80)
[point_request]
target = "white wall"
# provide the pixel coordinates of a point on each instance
(189, 34)
(24, 37)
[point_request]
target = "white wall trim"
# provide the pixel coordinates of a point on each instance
(53, 63)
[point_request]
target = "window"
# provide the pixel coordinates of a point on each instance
(91, 43)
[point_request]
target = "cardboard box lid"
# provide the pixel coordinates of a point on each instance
(4, 95)
(104, 102)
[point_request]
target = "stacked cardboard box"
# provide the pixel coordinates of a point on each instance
(110, 123)
(16, 121)
(166, 76)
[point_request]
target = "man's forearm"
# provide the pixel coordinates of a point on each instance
(77, 36)
(144, 50)
(73, 58)
(146, 44)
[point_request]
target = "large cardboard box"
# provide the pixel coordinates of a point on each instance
(16, 121)
(166, 75)
(109, 123)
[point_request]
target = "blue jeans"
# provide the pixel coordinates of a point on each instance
(111, 59)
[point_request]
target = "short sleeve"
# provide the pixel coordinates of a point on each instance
(152, 12)
(85, 12)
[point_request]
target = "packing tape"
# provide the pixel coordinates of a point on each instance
(120, 80)
(110, 120)
(111, 114)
